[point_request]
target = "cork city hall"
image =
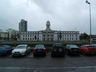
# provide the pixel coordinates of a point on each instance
(46, 35)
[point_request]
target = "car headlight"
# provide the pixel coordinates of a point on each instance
(12, 51)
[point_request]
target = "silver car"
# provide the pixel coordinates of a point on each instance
(21, 50)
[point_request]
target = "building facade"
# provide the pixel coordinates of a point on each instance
(3, 36)
(23, 26)
(49, 35)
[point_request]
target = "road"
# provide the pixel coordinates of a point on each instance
(48, 64)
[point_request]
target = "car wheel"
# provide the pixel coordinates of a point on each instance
(45, 54)
(82, 53)
(34, 55)
(13, 56)
(63, 55)
(52, 55)
(68, 53)
(9, 52)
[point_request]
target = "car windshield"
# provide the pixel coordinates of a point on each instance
(20, 47)
(90, 46)
(94, 45)
(39, 46)
(6, 46)
(73, 46)
(58, 44)
(2, 48)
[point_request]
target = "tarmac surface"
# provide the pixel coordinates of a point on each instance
(48, 64)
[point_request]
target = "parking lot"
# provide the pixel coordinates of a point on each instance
(41, 64)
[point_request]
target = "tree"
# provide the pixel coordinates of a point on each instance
(84, 36)
(18, 36)
(60, 35)
(13, 37)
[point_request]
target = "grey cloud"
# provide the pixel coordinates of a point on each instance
(63, 14)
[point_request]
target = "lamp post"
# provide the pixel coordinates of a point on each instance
(90, 18)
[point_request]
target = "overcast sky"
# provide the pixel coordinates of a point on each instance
(65, 15)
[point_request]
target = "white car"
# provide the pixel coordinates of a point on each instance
(21, 50)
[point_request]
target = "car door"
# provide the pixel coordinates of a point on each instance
(28, 49)
(82, 49)
(67, 48)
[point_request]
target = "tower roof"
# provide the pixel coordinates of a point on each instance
(48, 25)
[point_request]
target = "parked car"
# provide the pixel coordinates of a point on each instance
(58, 50)
(39, 50)
(94, 45)
(21, 50)
(88, 49)
(5, 50)
(72, 50)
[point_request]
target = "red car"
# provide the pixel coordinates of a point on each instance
(88, 49)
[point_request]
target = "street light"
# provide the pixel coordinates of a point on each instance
(90, 17)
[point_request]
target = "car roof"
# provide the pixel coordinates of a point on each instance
(93, 44)
(70, 44)
(5, 46)
(39, 44)
(87, 45)
(57, 44)
(23, 45)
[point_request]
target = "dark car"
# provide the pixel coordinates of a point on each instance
(58, 50)
(88, 49)
(72, 50)
(5, 50)
(39, 50)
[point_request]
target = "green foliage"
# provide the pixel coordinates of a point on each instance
(84, 36)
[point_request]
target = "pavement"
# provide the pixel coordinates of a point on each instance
(48, 64)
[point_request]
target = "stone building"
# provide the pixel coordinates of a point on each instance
(3, 36)
(49, 35)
